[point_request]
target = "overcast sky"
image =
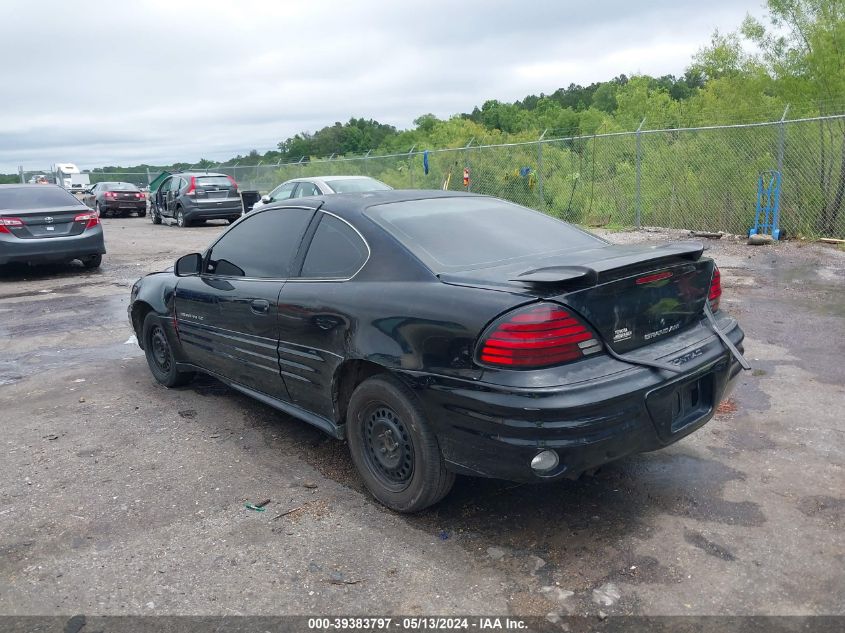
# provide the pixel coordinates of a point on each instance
(120, 83)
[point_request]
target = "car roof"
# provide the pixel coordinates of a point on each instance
(324, 178)
(351, 205)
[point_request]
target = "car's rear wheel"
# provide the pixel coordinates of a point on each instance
(233, 219)
(98, 210)
(142, 213)
(181, 220)
(92, 261)
(393, 448)
(159, 354)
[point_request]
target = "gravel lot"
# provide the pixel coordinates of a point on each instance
(121, 497)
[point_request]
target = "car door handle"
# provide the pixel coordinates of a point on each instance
(260, 306)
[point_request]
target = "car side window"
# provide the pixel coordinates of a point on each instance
(261, 246)
(176, 184)
(306, 189)
(337, 251)
(282, 192)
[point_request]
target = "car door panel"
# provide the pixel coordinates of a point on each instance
(229, 314)
(230, 326)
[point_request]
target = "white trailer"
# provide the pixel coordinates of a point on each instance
(79, 182)
(63, 172)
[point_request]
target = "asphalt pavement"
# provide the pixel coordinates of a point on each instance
(118, 496)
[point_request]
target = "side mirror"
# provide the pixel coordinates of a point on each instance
(188, 265)
(266, 199)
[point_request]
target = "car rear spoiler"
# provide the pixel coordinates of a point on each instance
(592, 273)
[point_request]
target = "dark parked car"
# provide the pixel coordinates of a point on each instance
(45, 223)
(189, 197)
(441, 333)
(116, 199)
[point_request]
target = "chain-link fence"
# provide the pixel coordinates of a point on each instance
(695, 178)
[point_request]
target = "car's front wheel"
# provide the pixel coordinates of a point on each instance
(393, 448)
(159, 354)
(154, 214)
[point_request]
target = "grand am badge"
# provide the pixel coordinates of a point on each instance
(662, 331)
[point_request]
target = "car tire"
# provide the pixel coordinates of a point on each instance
(160, 358)
(233, 220)
(142, 214)
(97, 210)
(393, 448)
(92, 261)
(154, 214)
(181, 221)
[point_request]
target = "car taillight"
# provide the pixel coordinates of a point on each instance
(140, 195)
(6, 222)
(110, 194)
(715, 290)
(537, 336)
(192, 187)
(90, 219)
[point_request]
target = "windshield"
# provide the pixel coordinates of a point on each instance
(120, 186)
(37, 197)
(450, 234)
(352, 185)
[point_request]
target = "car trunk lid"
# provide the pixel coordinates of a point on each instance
(45, 223)
(631, 295)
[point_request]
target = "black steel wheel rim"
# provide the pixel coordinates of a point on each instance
(388, 448)
(160, 349)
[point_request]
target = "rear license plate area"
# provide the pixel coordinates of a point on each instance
(677, 406)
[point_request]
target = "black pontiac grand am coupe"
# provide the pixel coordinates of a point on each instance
(442, 333)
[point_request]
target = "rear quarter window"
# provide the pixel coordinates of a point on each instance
(336, 251)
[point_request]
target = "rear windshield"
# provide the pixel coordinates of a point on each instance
(450, 234)
(353, 185)
(35, 197)
(216, 182)
(121, 186)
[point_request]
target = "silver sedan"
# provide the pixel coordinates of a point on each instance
(318, 186)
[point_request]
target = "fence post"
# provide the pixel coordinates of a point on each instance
(782, 140)
(540, 168)
(367, 162)
(410, 169)
(639, 174)
(466, 162)
(20, 171)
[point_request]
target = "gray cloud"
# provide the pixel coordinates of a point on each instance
(153, 81)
